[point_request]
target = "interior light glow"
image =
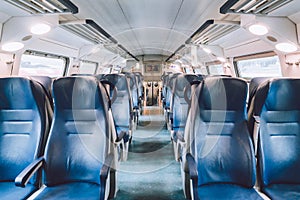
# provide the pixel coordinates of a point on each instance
(12, 46)
(207, 50)
(258, 29)
(221, 59)
(286, 47)
(39, 29)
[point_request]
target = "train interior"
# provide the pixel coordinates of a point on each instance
(139, 99)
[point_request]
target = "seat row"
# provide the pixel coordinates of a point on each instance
(217, 145)
(72, 154)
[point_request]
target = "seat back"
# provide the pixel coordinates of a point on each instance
(133, 89)
(24, 125)
(222, 146)
(277, 104)
(179, 105)
(46, 82)
(121, 107)
(79, 137)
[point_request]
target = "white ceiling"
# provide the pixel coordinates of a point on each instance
(152, 27)
(146, 27)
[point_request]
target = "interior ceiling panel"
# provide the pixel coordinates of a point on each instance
(148, 27)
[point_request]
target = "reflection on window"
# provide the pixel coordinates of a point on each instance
(189, 70)
(216, 70)
(259, 67)
(87, 67)
(116, 69)
(105, 70)
(202, 70)
(41, 65)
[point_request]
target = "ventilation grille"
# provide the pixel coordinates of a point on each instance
(213, 30)
(88, 30)
(45, 6)
(91, 31)
(263, 7)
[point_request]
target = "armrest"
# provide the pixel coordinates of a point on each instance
(23, 178)
(193, 172)
(121, 136)
(180, 137)
(106, 167)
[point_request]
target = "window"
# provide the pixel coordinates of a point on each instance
(216, 69)
(202, 70)
(259, 67)
(189, 70)
(87, 67)
(41, 64)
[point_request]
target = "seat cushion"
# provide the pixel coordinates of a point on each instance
(226, 191)
(71, 191)
(283, 191)
(9, 191)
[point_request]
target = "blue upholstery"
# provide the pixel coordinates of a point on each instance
(221, 144)
(74, 190)
(46, 82)
(78, 141)
(226, 191)
(179, 105)
(277, 105)
(24, 125)
(121, 107)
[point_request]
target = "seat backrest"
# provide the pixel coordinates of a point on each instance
(121, 107)
(179, 105)
(169, 89)
(277, 104)
(133, 89)
(24, 125)
(253, 86)
(79, 137)
(221, 143)
(46, 82)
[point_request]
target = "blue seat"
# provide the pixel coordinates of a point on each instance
(133, 86)
(24, 126)
(169, 97)
(121, 109)
(79, 158)
(253, 86)
(46, 82)
(277, 109)
(179, 108)
(219, 156)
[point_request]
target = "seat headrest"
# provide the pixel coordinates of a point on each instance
(278, 95)
(223, 93)
(119, 80)
(17, 93)
(72, 93)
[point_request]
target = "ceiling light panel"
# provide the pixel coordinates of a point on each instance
(263, 7)
(45, 6)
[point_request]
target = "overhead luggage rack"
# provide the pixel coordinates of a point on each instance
(212, 30)
(88, 30)
(91, 31)
(263, 7)
(45, 6)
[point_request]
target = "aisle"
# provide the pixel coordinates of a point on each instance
(151, 171)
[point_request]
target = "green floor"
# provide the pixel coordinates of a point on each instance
(150, 171)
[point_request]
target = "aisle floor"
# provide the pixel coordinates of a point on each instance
(150, 171)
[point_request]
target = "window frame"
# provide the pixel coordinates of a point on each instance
(47, 55)
(90, 62)
(252, 57)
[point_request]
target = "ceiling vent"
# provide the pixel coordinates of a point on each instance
(91, 31)
(213, 30)
(262, 7)
(45, 6)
